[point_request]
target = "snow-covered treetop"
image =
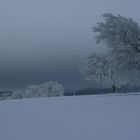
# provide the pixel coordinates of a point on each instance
(118, 31)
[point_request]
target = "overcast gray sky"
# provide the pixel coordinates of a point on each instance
(43, 40)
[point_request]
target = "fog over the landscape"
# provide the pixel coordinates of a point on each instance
(43, 40)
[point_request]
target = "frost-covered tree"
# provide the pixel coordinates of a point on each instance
(46, 89)
(122, 36)
(18, 94)
(97, 68)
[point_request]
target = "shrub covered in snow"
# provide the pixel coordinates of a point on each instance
(47, 89)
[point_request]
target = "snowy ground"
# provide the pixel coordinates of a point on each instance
(102, 117)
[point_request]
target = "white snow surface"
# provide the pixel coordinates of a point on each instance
(101, 117)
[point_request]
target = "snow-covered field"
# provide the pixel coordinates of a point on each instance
(102, 117)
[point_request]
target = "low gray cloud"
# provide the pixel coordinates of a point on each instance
(48, 39)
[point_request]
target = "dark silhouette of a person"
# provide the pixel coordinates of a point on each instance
(113, 88)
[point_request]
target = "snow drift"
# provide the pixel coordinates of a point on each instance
(101, 117)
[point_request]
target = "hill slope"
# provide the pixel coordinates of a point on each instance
(104, 117)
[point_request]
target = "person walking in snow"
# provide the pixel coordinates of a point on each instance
(113, 88)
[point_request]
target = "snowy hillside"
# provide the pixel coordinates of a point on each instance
(102, 117)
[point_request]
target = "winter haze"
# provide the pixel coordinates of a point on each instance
(42, 40)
